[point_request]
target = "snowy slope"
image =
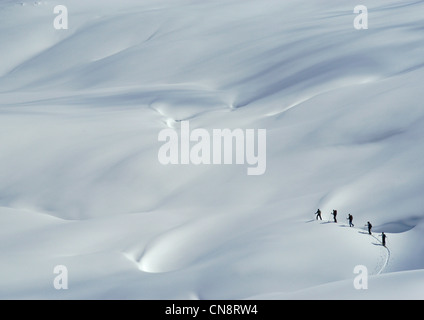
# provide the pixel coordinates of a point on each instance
(80, 180)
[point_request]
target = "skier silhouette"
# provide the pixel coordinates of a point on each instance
(369, 227)
(335, 215)
(318, 213)
(350, 218)
(383, 238)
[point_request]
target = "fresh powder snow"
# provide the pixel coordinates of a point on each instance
(81, 185)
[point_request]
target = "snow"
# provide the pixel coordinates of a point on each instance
(81, 184)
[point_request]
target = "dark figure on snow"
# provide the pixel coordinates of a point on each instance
(350, 218)
(383, 239)
(318, 213)
(369, 227)
(335, 215)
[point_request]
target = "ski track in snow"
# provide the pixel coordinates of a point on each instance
(384, 258)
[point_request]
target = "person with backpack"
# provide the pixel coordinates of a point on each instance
(335, 215)
(318, 213)
(350, 218)
(369, 227)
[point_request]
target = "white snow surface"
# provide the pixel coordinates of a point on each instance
(81, 184)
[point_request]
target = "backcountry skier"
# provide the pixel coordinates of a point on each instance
(335, 215)
(350, 218)
(318, 213)
(383, 238)
(369, 227)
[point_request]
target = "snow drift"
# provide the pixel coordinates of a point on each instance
(81, 185)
